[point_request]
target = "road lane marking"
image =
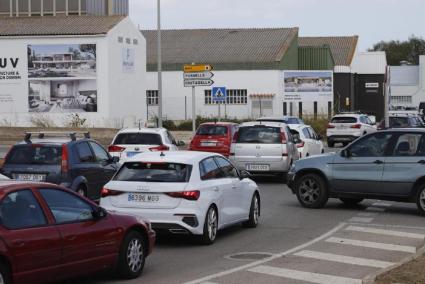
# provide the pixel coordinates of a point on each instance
(344, 259)
(367, 214)
(375, 209)
(383, 246)
(381, 204)
(304, 276)
(360, 220)
(385, 232)
(257, 263)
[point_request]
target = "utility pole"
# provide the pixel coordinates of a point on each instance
(159, 66)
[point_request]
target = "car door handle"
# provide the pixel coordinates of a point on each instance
(71, 238)
(422, 162)
(234, 186)
(19, 243)
(378, 162)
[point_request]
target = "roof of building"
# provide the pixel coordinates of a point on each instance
(49, 26)
(237, 46)
(404, 75)
(342, 47)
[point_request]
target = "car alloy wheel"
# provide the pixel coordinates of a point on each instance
(309, 191)
(256, 212)
(212, 224)
(135, 255)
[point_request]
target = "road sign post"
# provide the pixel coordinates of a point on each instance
(219, 96)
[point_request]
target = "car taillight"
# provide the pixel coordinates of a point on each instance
(159, 148)
(282, 137)
(235, 137)
(64, 161)
(330, 126)
(356, 126)
(115, 148)
(105, 192)
(300, 145)
(188, 195)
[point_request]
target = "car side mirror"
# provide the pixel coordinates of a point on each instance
(115, 159)
(244, 174)
(319, 137)
(180, 143)
(99, 213)
(345, 153)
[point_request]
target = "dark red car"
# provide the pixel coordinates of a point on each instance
(49, 233)
(214, 137)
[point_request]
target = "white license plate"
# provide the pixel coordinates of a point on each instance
(260, 168)
(132, 154)
(30, 177)
(341, 127)
(143, 198)
(208, 144)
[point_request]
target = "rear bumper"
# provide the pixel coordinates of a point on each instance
(277, 167)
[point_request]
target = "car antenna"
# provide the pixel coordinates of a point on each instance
(162, 154)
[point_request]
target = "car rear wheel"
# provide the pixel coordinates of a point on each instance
(4, 274)
(311, 191)
(351, 201)
(254, 213)
(210, 227)
(420, 199)
(131, 258)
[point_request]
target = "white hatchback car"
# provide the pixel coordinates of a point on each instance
(345, 128)
(308, 142)
(184, 192)
(130, 142)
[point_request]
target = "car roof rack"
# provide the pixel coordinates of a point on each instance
(43, 134)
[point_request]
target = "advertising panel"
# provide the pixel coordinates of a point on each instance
(307, 85)
(62, 78)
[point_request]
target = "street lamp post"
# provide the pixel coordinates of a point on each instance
(159, 66)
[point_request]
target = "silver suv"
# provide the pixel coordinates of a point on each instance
(263, 148)
(388, 165)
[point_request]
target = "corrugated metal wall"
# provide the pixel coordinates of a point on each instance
(315, 58)
(100, 7)
(120, 7)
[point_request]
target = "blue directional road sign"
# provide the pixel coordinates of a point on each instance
(219, 94)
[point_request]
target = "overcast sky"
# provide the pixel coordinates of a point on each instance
(372, 20)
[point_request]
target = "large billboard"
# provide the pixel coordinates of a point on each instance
(307, 85)
(62, 78)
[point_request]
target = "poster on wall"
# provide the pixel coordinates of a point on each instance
(127, 60)
(307, 85)
(62, 78)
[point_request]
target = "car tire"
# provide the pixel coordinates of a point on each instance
(420, 199)
(254, 212)
(5, 277)
(131, 259)
(351, 201)
(82, 190)
(323, 151)
(331, 144)
(210, 227)
(311, 191)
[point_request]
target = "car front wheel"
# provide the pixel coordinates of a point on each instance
(311, 191)
(210, 227)
(254, 213)
(131, 258)
(420, 200)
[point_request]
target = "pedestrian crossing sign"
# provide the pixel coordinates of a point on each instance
(219, 94)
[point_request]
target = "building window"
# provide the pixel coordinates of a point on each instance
(152, 97)
(315, 110)
(300, 110)
(285, 108)
(401, 99)
(120, 39)
(128, 40)
(291, 108)
(135, 42)
(329, 110)
(234, 97)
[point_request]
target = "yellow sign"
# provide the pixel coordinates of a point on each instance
(197, 68)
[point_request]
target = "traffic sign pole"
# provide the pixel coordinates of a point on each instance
(193, 111)
(219, 111)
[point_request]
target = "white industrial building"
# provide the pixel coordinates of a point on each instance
(54, 68)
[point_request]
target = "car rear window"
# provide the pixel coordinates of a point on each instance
(138, 139)
(344, 119)
(35, 155)
(399, 122)
(259, 135)
(212, 130)
(154, 172)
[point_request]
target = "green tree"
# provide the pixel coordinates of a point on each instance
(399, 51)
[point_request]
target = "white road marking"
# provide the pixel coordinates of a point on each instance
(381, 204)
(344, 259)
(360, 220)
(375, 209)
(385, 232)
(367, 214)
(366, 244)
(256, 263)
(304, 276)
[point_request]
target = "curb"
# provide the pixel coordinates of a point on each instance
(370, 279)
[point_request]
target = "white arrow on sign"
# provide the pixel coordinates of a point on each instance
(198, 75)
(198, 82)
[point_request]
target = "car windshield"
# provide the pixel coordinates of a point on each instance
(259, 135)
(212, 130)
(154, 172)
(344, 119)
(138, 139)
(35, 155)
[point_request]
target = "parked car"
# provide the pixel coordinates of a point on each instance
(3, 177)
(184, 192)
(386, 165)
(214, 137)
(264, 148)
(402, 121)
(345, 128)
(282, 119)
(82, 165)
(308, 142)
(49, 233)
(130, 142)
